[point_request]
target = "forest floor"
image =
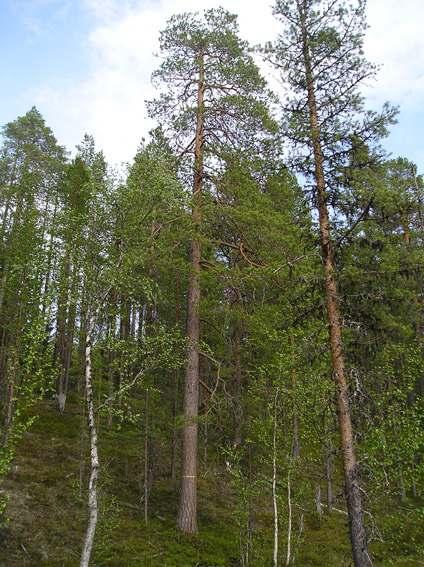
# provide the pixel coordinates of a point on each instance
(47, 511)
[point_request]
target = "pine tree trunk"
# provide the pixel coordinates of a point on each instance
(238, 384)
(175, 433)
(187, 513)
(353, 492)
(174, 442)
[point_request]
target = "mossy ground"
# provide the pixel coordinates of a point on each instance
(47, 511)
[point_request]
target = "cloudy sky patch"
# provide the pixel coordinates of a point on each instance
(86, 64)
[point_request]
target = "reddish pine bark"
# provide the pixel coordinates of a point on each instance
(187, 513)
(353, 492)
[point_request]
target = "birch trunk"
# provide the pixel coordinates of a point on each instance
(274, 483)
(146, 458)
(94, 458)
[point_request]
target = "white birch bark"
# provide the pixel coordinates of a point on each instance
(94, 458)
(274, 483)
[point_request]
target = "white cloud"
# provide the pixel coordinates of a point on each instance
(395, 41)
(109, 103)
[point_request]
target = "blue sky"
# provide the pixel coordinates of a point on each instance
(45, 41)
(86, 64)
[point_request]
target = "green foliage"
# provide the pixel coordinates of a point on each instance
(80, 244)
(236, 109)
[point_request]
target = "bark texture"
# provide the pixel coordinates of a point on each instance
(187, 512)
(238, 387)
(274, 484)
(353, 492)
(94, 460)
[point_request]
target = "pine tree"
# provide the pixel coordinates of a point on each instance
(213, 100)
(320, 56)
(32, 166)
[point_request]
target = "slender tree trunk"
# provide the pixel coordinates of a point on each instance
(296, 441)
(5, 325)
(125, 320)
(187, 513)
(295, 454)
(174, 448)
(82, 441)
(329, 477)
(353, 492)
(238, 384)
(146, 458)
(5, 220)
(414, 489)
(318, 504)
(12, 367)
(274, 481)
(8, 207)
(49, 268)
(402, 489)
(70, 330)
(61, 340)
(111, 384)
(121, 375)
(175, 435)
(133, 320)
(94, 458)
(3, 283)
(111, 332)
(289, 524)
(82, 339)
(251, 513)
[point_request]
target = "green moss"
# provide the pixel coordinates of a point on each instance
(48, 511)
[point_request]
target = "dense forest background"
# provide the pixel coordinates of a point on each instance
(215, 357)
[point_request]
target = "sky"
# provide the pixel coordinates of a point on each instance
(86, 65)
